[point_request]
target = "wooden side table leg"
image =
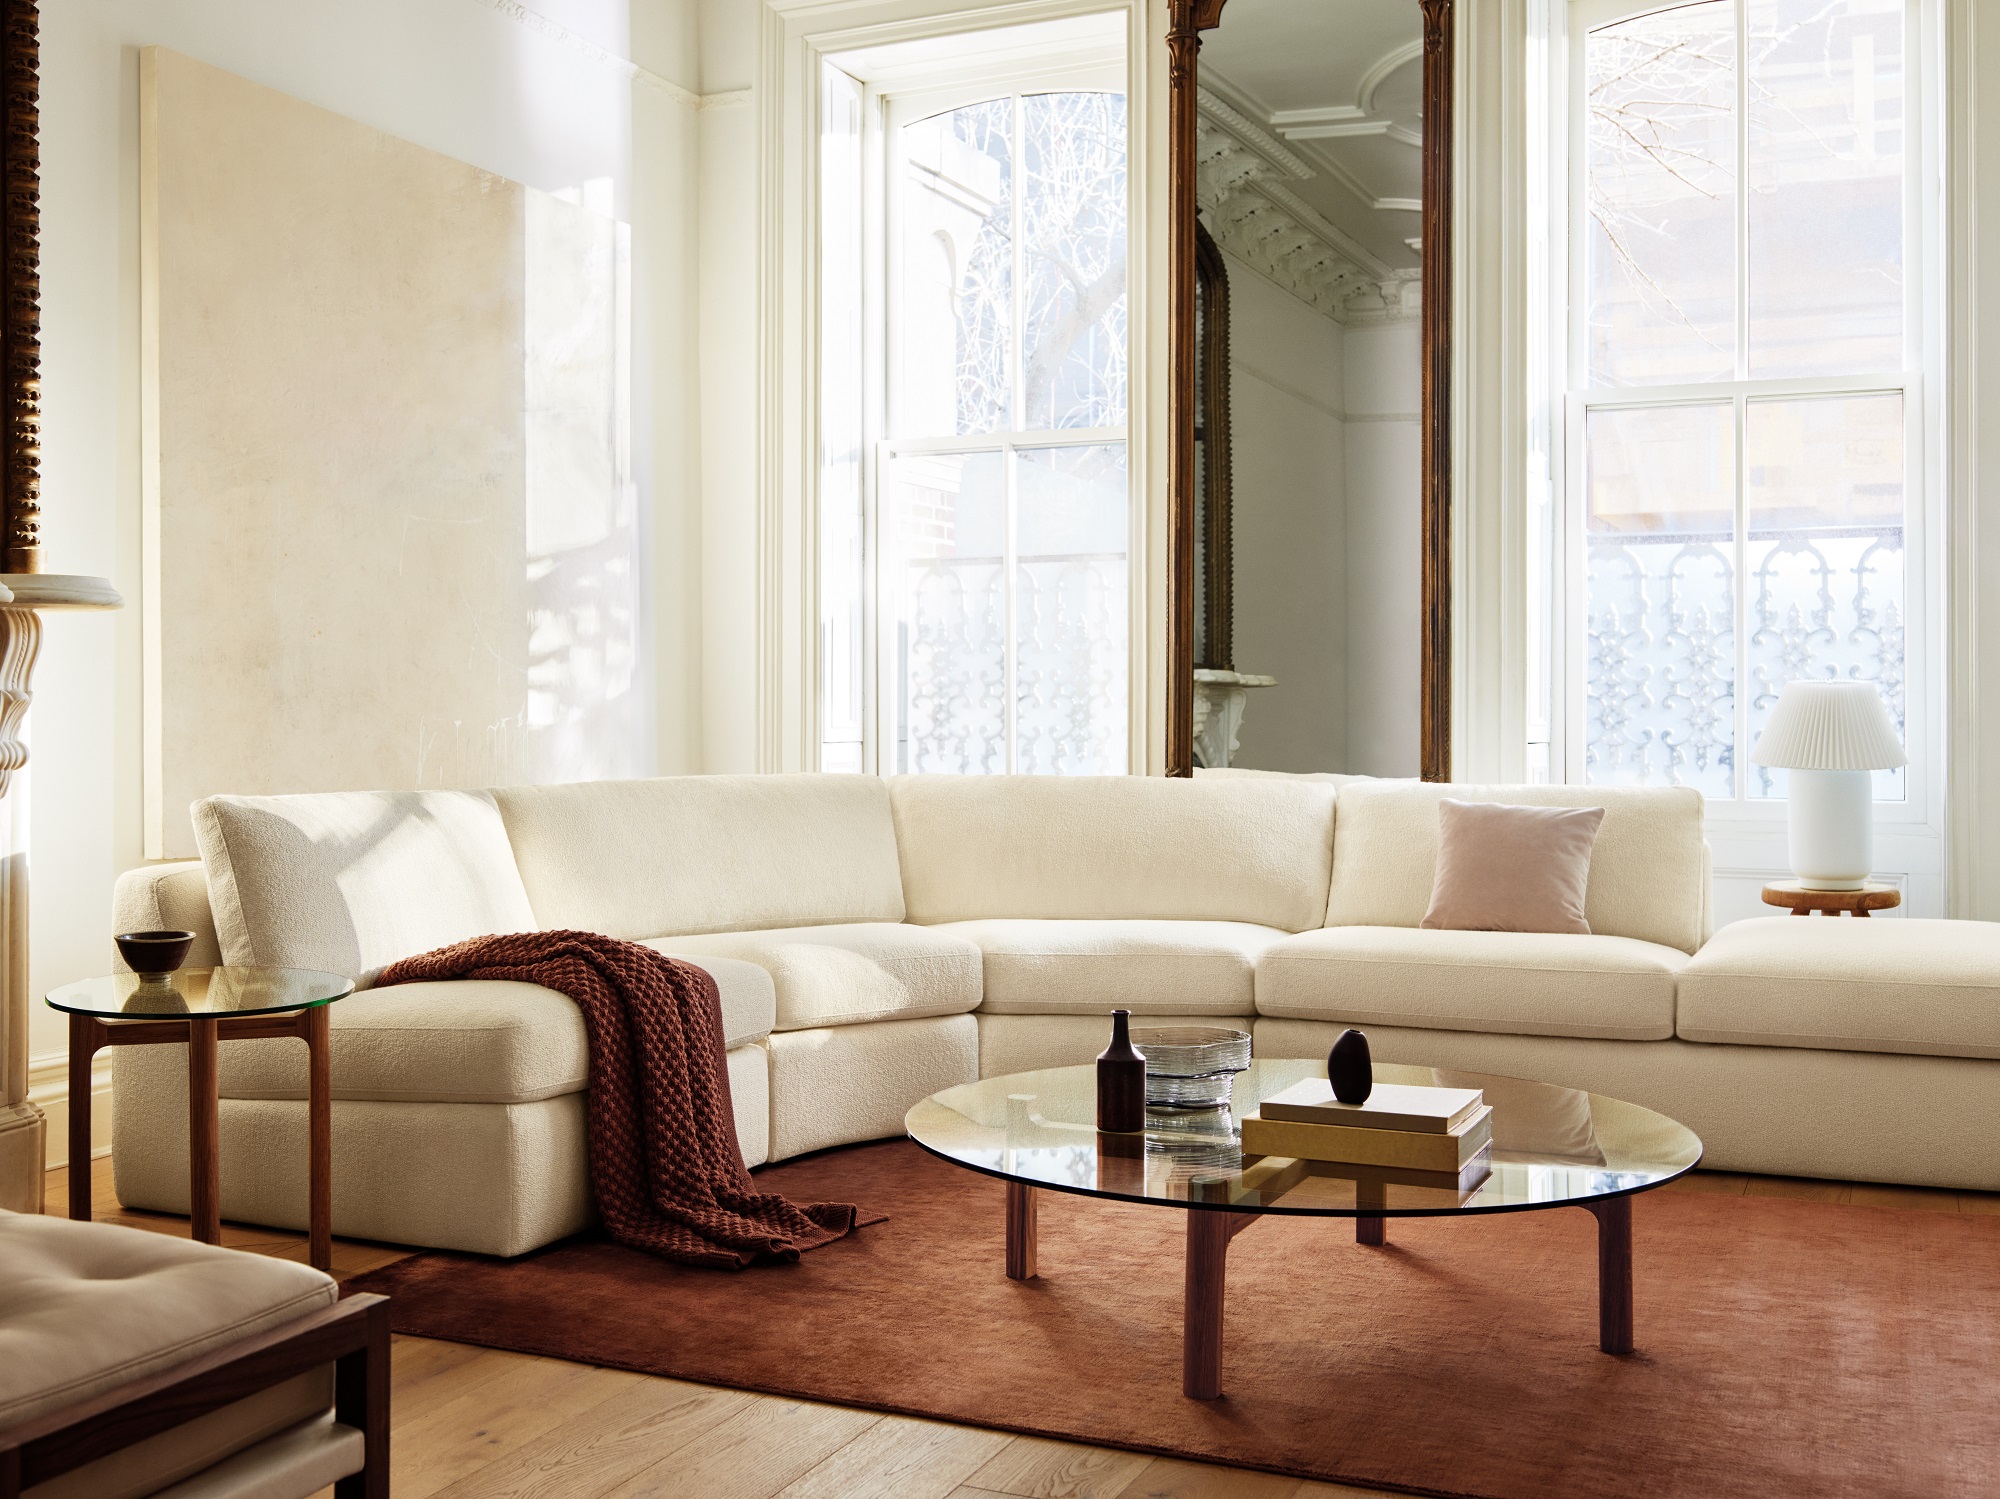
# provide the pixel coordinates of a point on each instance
(1208, 1236)
(1614, 1273)
(204, 1132)
(85, 1036)
(319, 1128)
(1021, 1231)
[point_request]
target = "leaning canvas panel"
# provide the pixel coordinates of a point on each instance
(391, 529)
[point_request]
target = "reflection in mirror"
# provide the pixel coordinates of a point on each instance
(1308, 459)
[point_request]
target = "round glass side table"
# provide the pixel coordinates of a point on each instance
(198, 1007)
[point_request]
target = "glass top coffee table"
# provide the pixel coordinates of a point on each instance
(1552, 1147)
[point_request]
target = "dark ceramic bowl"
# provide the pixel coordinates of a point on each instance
(154, 952)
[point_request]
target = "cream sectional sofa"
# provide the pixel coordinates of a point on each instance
(874, 941)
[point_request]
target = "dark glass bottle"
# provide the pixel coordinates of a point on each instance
(1121, 1080)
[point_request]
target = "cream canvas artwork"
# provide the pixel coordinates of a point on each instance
(391, 532)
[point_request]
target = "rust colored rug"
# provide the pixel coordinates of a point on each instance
(1785, 1348)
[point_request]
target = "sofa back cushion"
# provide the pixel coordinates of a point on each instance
(690, 854)
(1648, 871)
(1115, 848)
(350, 881)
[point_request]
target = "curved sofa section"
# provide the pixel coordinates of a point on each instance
(877, 940)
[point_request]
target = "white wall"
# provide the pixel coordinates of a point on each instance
(1384, 548)
(548, 105)
(1288, 468)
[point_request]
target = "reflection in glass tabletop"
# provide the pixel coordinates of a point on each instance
(234, 990)
(1551, 1147)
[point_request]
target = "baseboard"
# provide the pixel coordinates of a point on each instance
(48, 1089)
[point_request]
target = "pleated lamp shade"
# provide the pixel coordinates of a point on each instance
(1829, 726)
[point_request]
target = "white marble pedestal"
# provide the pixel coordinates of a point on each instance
(1219, 700)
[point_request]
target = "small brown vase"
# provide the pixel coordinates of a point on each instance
(1121, 1080)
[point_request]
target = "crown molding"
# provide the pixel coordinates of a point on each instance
(624, 67)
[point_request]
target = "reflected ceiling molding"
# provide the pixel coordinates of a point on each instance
(1376, 76)
(1250, 134)
(1258, 219)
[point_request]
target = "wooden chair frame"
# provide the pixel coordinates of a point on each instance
(352, 1335)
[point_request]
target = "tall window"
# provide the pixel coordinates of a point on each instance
(1747, 397)
(997, 509)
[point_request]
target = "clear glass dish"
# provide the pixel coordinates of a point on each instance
(1191, 1066)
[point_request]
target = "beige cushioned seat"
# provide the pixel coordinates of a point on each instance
(1925, 988)
(1095, 967)
(88, 1307)
(470, 1041)
(849, 974)
(1520, 983)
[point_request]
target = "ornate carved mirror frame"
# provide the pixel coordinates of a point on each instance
(20, 293)
(1187, 19)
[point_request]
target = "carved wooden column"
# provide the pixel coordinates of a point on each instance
(1435, 749)
(25, 590)
(1186, 20)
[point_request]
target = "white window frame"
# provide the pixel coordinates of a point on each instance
(863, 39)
(887, 110)
(1748, 833)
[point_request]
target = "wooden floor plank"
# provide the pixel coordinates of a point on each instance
(528, 1400)
(1038, 1468)
(1800, 1188)
(1911, 1199)
(1720, 1183)
(900, 1457)
(592, 1454)
(1979, 1202)
(752, 1454)
(1171, 1478)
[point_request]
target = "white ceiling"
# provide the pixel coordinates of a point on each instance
(1340, 83)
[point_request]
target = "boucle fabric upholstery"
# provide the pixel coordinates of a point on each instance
(1647, 870)
(664, 1167)
(1928, 988)
(166, 897)
(1527, 983)
(1115, 848)
(850, 974)
(688, 854)
(1784, 1111)
(485, 1178)
(856, 1082)
(1095, 967)
(350, 881)
(468, 1042)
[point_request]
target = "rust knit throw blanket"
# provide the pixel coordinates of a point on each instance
(664, 1162)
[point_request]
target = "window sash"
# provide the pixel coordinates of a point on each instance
(1915, 383)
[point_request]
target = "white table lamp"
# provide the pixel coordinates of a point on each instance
(1830, 736)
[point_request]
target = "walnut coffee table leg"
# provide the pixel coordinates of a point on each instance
(1020, 1231)
(319, 1131)
(204, 1133)
(1614, 1273)
(1208, 1236)
(1372, 1229)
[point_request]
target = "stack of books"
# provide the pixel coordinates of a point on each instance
(1437, 1136)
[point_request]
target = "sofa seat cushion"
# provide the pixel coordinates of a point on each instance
(1923, 988)
(851, 973)
(468, 1041)
(1095, 967)
(87, 1307)
(1508, 983)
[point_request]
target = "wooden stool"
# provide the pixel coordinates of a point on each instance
(1804, 902)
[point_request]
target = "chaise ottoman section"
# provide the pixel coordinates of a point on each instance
(1899, 985)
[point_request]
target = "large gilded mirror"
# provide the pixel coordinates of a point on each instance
(1309, 482)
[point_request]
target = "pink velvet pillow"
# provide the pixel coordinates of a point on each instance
(1512, 869)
